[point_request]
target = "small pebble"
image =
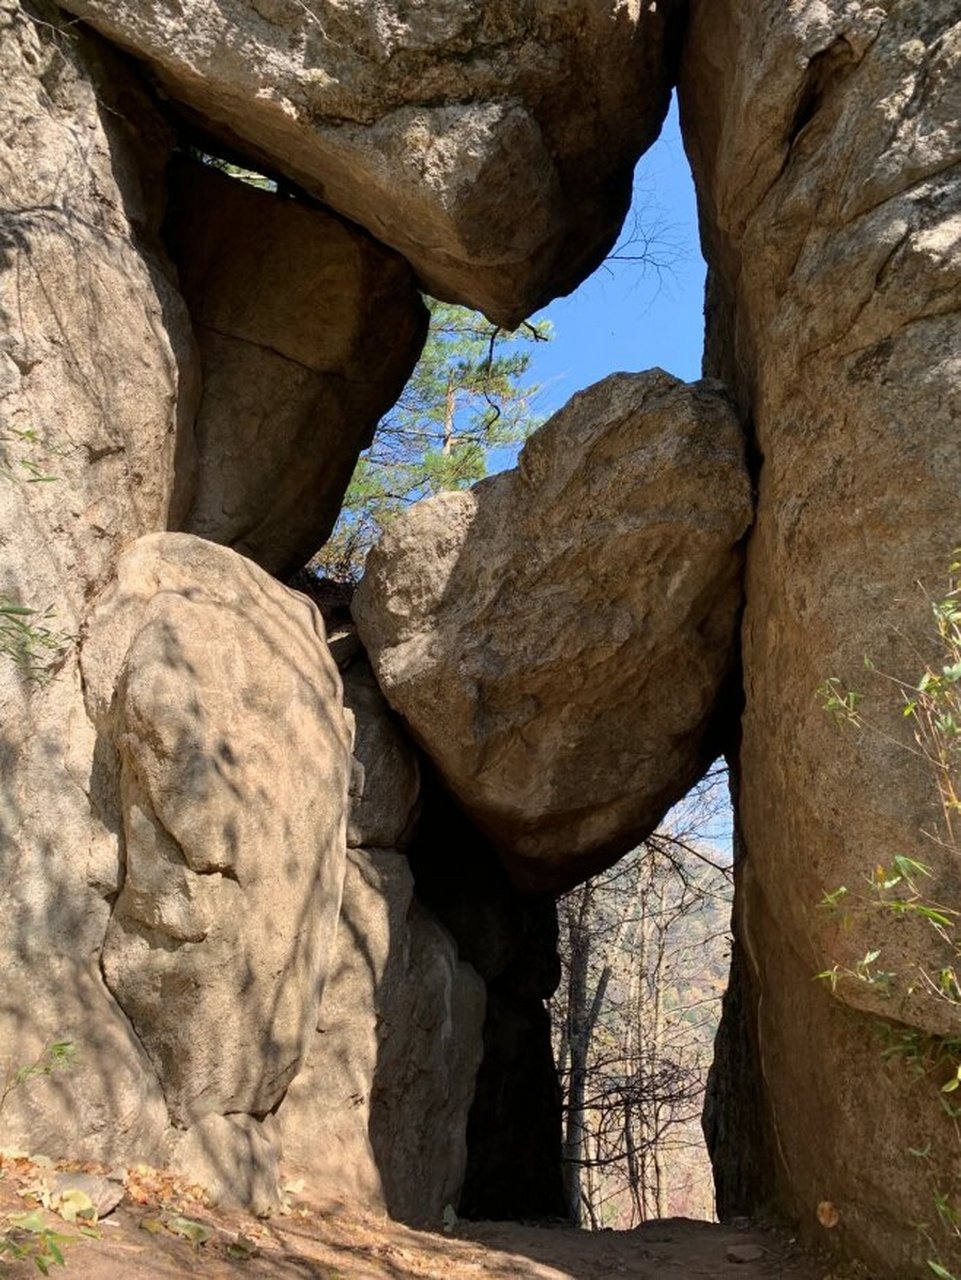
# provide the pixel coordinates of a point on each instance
(745, 1253)
(103, 1193)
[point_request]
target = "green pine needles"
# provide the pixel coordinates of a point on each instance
(466, 407)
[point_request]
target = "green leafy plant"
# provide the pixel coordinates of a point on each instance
(901, 887)
(25, 1237)
(28, 641)
(58, 1056)
(14, 466)
(26, 638)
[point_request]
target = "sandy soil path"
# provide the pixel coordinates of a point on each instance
(143, 1239)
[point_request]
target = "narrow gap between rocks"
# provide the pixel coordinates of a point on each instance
(602, 1005)
(600, 1026)
(645, 957)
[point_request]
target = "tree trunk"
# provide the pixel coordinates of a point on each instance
(450, 406)
(578, 1039)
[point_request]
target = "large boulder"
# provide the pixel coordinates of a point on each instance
(826, 141)
(560, 637)
(379, 1113)
(308, 330)
(221, 726)
(492, 144)
(97, 378)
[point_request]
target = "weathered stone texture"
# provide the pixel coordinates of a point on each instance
(308, 330)
(492, 144)
(559, 638)
(385, 772)
(234, 1161)
(826, 142)
(386, 781)
(219, 711)
(379, 1113)
(96, 375)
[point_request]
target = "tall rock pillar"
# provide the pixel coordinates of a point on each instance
(825, 139)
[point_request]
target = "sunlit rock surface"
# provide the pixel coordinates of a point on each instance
(97, 373)
(221, 725)
(492, 144)
(825, 141)
(559, 638)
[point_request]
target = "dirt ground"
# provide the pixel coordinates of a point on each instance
(162, 1229)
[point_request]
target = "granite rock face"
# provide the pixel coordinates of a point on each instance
(559, 638)
(220, 716)
(826, 140)
(492, 144)
(307, 330)
(232, 1158)
(179, 775)
(385, 787)
(97, 377)
(379, 1113)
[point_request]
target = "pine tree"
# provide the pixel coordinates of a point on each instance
(466, 401)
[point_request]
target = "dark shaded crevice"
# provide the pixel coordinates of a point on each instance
(754, 461)
(514, 1126)
(194, 144)
(817, 78)
(737, 1133)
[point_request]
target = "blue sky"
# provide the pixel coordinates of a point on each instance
(631, 317)
(626, 316)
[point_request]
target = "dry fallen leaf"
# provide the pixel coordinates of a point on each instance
(242, 1248)
(828, 1215)
(73, 1203)
(195, 1232)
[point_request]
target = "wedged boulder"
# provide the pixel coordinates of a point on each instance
(379, 1113)
(492, 144)
(307, 330)
(826, 141)
(220, 720)
(559, 638)
(97, 380)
